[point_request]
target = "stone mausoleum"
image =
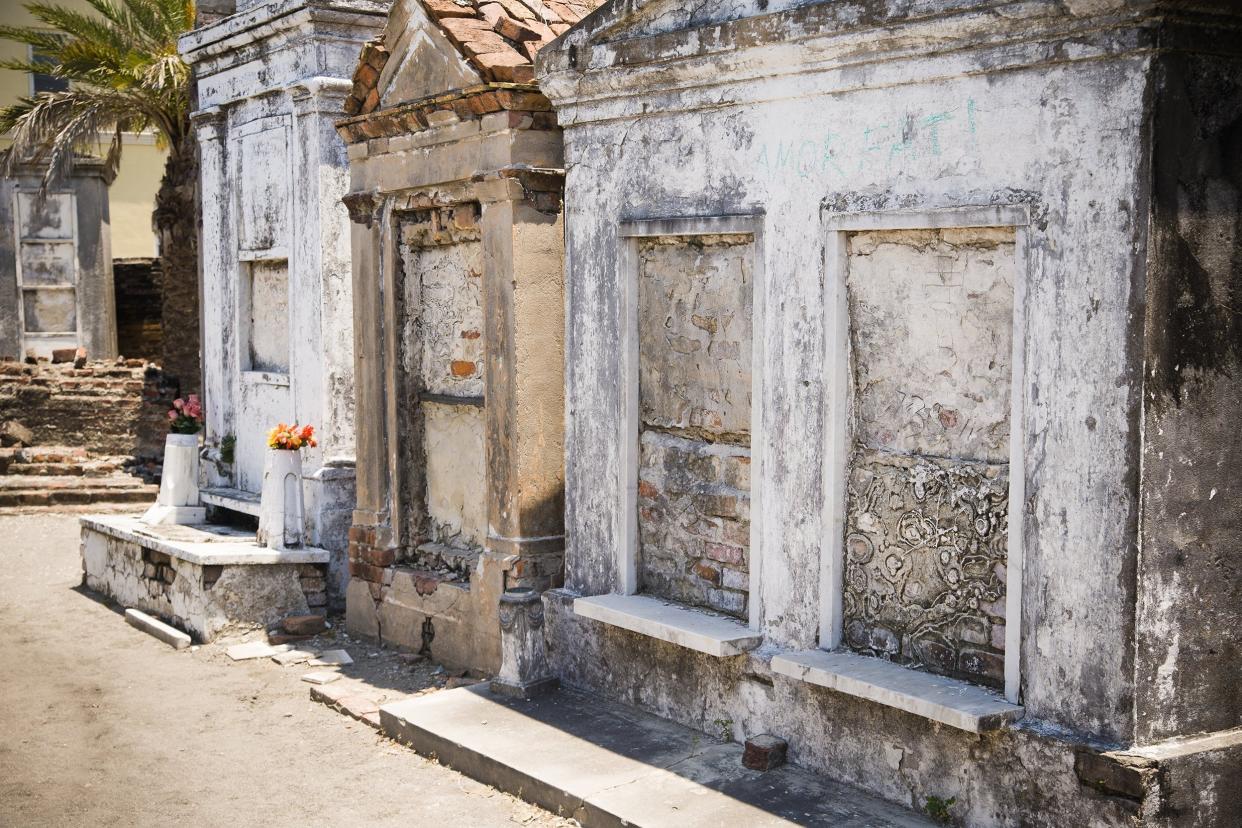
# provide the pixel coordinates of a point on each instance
(455, 193)
(902, 362)
(276, 293)
(56, 287)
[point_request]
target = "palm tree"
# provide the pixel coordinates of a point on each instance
(124, 75)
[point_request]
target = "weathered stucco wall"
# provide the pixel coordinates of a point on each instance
(831, 109)
(1190, 578)
(856, 154)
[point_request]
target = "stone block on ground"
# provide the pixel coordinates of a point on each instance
(153, 626)
(321, 677)
(255, 649)
(13, 433)
(331, 657)
(293, 657)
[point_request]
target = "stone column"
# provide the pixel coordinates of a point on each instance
(371, 538)
(523, 312)
(216, 253)
(321, 330)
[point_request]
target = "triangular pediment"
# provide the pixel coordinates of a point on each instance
(430, 47)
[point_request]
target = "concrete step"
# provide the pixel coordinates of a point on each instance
(79, 469)
(604, 763)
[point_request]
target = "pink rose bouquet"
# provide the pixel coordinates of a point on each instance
(186, 415)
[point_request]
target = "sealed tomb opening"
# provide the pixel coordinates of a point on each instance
(442, 365)
(927, 477)
(694, 362)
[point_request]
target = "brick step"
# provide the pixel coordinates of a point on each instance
(118, 482)
(71, 490)
(42, 454)
(86, 469)
(86, 494)
(70, 382)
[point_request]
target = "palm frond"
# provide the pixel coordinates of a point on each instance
(121, 61)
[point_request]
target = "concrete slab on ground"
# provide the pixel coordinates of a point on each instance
(604, 763)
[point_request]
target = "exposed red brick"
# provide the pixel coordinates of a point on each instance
(514, 29)
(304, 624)
(707, 572)
(724, 553)
(366, 75)
(763, 753)
(366, 572)
(647, 490)
(462, 368)
(520, 99)
(448, 8)
(379, 557)
(492, 12)
(517, 9)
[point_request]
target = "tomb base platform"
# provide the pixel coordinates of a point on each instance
(870, 734)
(204, 579)
(605, 763)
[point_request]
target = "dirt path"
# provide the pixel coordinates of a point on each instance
(102, 725)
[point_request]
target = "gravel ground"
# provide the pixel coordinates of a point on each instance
(102, 725)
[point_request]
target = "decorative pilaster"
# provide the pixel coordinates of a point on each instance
(522, 237)
(524, 669)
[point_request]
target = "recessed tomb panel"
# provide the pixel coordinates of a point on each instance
(50, 311)
(926, 523)
(441, 345)
(268, 316)
(695, 340)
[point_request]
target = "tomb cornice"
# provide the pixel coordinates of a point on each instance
(450, 108)
(272, 19)
(820, 49)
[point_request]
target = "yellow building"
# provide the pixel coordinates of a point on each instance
(131, 197)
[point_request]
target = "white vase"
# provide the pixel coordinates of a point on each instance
(280, 505)
(178, 501)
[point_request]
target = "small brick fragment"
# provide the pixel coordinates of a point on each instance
(304, 624)
(462, 368)
(707, 572)
(764, 752)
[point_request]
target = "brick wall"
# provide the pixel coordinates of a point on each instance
(139, 329)
(695, 344)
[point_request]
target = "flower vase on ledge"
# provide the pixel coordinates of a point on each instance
(281, 514)
(280, 505)
(177, 502)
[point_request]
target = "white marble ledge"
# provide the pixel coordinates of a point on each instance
(206, 545)
(716, 635)
(235, 499)
(949, 701)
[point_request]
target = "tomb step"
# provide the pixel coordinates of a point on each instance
(605, 763)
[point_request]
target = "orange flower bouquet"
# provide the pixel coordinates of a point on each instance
(291, 437)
